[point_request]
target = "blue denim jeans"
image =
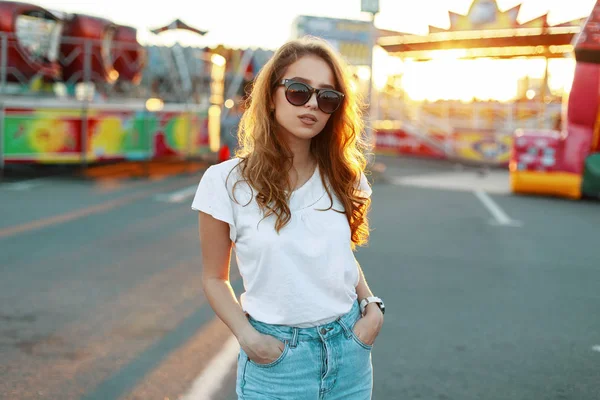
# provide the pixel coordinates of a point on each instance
(324, 362)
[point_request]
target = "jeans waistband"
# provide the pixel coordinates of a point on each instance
(292, 334)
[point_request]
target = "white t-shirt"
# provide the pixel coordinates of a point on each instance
(304, 276)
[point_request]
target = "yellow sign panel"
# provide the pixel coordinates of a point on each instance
(355, 53)
(481, 146)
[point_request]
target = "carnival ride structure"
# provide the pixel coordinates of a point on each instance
(80, 89)
(566, 162)
(462, 91)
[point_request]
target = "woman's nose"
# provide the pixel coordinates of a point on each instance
(312, 101)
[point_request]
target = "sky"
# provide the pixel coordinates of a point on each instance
(267, 23)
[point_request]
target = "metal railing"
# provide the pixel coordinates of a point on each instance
(174, 74)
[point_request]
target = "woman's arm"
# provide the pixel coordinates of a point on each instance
(371, 324)
(216, 256)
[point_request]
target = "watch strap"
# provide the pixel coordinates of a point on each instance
(368, 300)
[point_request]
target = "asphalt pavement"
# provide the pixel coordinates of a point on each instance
(488, 295)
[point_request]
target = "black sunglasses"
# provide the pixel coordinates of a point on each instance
(299, 93)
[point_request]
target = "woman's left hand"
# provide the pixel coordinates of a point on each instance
(367, 328)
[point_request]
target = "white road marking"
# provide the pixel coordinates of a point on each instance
(596, 348)
(177, 197)
(500, 217)
(492, 182)
(23, 185)
(211, 380)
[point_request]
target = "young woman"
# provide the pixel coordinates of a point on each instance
(293, 204)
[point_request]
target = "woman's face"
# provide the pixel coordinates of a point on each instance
(306, 121)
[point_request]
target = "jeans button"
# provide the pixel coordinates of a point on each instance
(323, 331)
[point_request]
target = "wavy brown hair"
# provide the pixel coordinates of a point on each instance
(266, 159)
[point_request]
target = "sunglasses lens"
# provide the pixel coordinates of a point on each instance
(329, 101)
(297, 94)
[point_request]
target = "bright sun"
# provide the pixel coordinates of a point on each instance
(448, 77)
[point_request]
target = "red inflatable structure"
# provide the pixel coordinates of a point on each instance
(566, 163)
(113, 51)
(97, 34)
(58, 46)
(30, 32)
(129, 57)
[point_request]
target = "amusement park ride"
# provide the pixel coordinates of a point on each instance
(566, 162)
(519, 133)
(80, 89)
(28, 55)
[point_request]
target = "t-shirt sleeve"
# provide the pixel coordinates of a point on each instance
(363, 187)
(212, 197)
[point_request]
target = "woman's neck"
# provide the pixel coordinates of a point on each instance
(303, 159)
(303, 163)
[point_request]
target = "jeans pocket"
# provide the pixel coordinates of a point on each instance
(241, 373)
(355, 338)
(365, 346)
(279, 359)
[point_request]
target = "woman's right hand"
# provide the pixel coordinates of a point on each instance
(261, 348)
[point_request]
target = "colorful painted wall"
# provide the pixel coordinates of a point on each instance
(57, 135)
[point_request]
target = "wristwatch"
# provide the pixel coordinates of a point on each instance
(366, 301)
